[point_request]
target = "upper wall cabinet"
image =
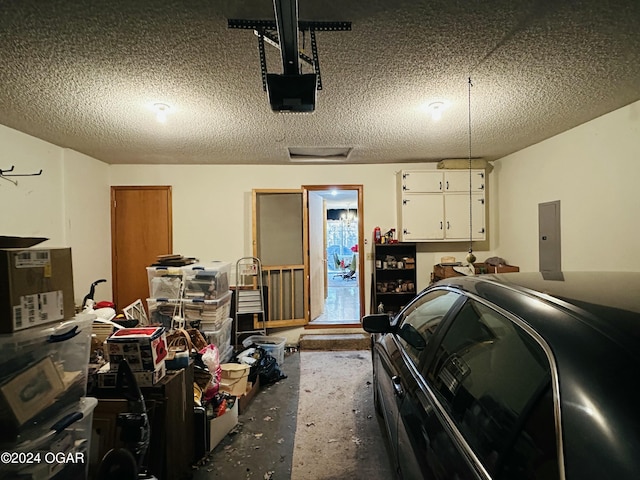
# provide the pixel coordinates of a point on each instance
(439, 181)
(434, 205)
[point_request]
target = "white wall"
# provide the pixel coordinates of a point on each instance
(34, 207)
(212, 203)
(88, 222)
(594, 170)
(68, 203)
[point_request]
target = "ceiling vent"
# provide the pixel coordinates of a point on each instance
(318, 154)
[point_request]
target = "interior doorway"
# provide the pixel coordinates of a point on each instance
(335, 255)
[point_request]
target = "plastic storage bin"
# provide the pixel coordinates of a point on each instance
(162, 311)
(63, 454)
(221, 338)
(47, 366)
(165, 282)
(206, 281)
(210, 313)
(273, 345)
(227, 355)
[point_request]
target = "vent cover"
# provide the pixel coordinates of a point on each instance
(319, 154)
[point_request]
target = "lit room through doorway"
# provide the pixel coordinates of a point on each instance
(342, 299)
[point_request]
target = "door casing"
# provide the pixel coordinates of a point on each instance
(360, 267)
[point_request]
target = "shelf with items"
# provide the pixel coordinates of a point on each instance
(394, 282)
(446, 271)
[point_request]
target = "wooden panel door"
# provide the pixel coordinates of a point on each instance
(141, 229)
(280, 240)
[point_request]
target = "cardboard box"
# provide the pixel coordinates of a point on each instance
(220, 426)
(107, 378)
(486, 268)
(249, 394)
(36, 287)
(31, 391)
(145, 348)
(234, 378)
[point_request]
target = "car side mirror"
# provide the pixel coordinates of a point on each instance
(377, 323)
(410, 335)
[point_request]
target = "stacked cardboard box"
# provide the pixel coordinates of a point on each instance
(36, 287)
(44, 358)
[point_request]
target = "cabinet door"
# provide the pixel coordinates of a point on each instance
(417, 181)
(422, 217)
(456, 207)
(458, 180)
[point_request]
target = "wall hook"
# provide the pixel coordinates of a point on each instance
(3, 174)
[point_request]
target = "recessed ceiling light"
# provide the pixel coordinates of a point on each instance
(435, 109)
(161, 110)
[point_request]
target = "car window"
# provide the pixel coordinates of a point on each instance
(489, 374)
(534, 454)
(420, 319)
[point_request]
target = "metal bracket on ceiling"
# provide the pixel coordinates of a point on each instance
(303, 25)
(266, 31)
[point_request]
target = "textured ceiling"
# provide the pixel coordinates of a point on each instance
(84, 74)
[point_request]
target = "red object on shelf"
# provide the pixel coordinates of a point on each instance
(105, 304)
(377, 235)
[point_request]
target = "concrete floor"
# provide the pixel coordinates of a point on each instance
(317, 424)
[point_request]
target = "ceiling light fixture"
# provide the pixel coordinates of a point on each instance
(436, 109)
(161, 110)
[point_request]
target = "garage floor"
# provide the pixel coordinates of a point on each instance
(317, 424)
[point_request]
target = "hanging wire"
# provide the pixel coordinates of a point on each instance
(470, 257)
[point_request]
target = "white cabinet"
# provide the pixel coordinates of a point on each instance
(434, 205)
(422, 217)
(417, 181)
(459, 180)
(456, 209)
(439, 181)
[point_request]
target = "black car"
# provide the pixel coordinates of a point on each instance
(513, 376)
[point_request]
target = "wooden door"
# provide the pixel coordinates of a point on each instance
(141, 229)
(317, 255)
(280, 241)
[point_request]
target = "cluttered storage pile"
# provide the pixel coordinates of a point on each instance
(45, 416)
(192, 303)
(228, 389)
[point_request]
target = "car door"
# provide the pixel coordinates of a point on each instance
(482, 383)
(401, 386)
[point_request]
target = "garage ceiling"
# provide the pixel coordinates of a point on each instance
(84, 75)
